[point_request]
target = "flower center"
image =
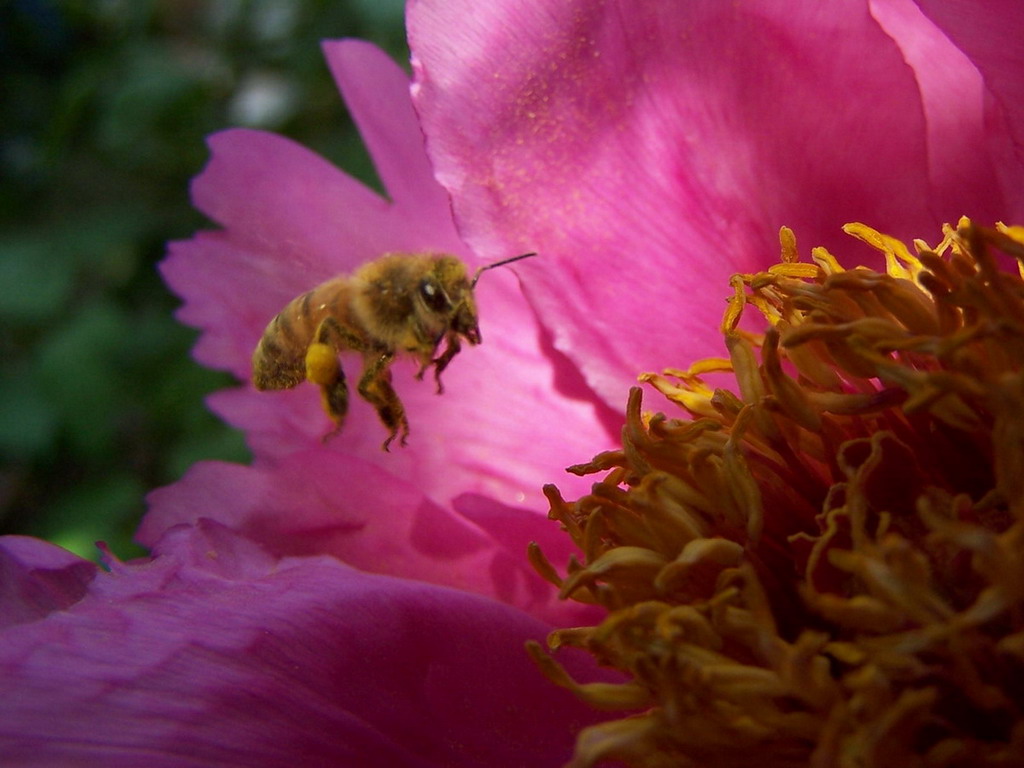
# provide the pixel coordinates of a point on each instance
(825, 562)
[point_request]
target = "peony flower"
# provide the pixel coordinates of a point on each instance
(647, 151)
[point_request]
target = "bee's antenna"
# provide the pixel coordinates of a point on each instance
(501, 263)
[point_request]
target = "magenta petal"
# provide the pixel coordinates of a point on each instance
(309, 503)
(376, 93)
(278, 197)
(649, 149)
(952, 94)
(308, 662)
(37, 578)
(229, 319)
(992, 36)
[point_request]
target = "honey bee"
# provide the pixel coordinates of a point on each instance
(399, 303)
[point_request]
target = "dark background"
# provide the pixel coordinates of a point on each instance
(104, 106)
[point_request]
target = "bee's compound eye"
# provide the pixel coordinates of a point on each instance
(434, 295)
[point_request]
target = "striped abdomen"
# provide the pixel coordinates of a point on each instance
(279, 361)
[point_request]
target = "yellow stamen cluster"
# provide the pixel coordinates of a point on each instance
(826, 566)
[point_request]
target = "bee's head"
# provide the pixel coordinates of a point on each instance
(447, 292)
(445, 295)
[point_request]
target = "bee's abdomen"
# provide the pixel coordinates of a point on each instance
(279, 359)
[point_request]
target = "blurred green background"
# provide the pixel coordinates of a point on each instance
(104, 106)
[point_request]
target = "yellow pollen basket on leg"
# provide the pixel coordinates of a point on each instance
(324, 369)
(821, 565)
(321, 364)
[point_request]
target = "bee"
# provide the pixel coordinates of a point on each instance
(399, 303)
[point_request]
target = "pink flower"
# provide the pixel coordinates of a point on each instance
(647, 151)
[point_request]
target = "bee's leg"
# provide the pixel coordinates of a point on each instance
(426, 360)
(425, 352)
(324, 369)
(375, 387)
(440, 363)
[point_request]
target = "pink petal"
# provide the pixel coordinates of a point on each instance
(176, 662)
(317, 502)
(37, 578)
(991, 35)
(952, 93)
(648, 150)
(377, 94)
